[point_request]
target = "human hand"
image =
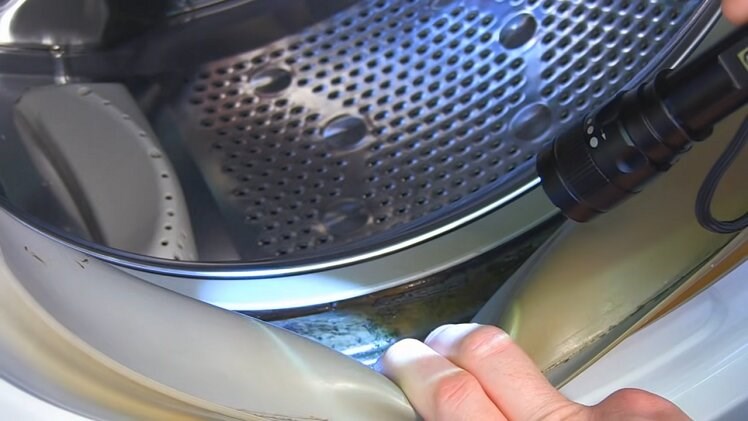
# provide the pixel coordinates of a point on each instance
(736, 11)
(477, 373)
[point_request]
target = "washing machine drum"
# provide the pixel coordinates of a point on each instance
(285, 159)
(288, 137)
(270, 155)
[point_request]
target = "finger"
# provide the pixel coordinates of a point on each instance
(436, 388)
(736, 11)
(507, 375)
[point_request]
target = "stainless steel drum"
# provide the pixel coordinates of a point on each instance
(265, 155)
(392, 119)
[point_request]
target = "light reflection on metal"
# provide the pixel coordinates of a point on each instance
(333, 283)
(45, 23)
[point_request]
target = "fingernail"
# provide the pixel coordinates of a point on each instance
(436, 331)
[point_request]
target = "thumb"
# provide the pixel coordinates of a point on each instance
(736, 11)
(627, 404)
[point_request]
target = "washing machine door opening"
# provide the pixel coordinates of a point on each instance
(260, 139)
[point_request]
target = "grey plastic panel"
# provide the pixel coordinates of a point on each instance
(100, 158)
